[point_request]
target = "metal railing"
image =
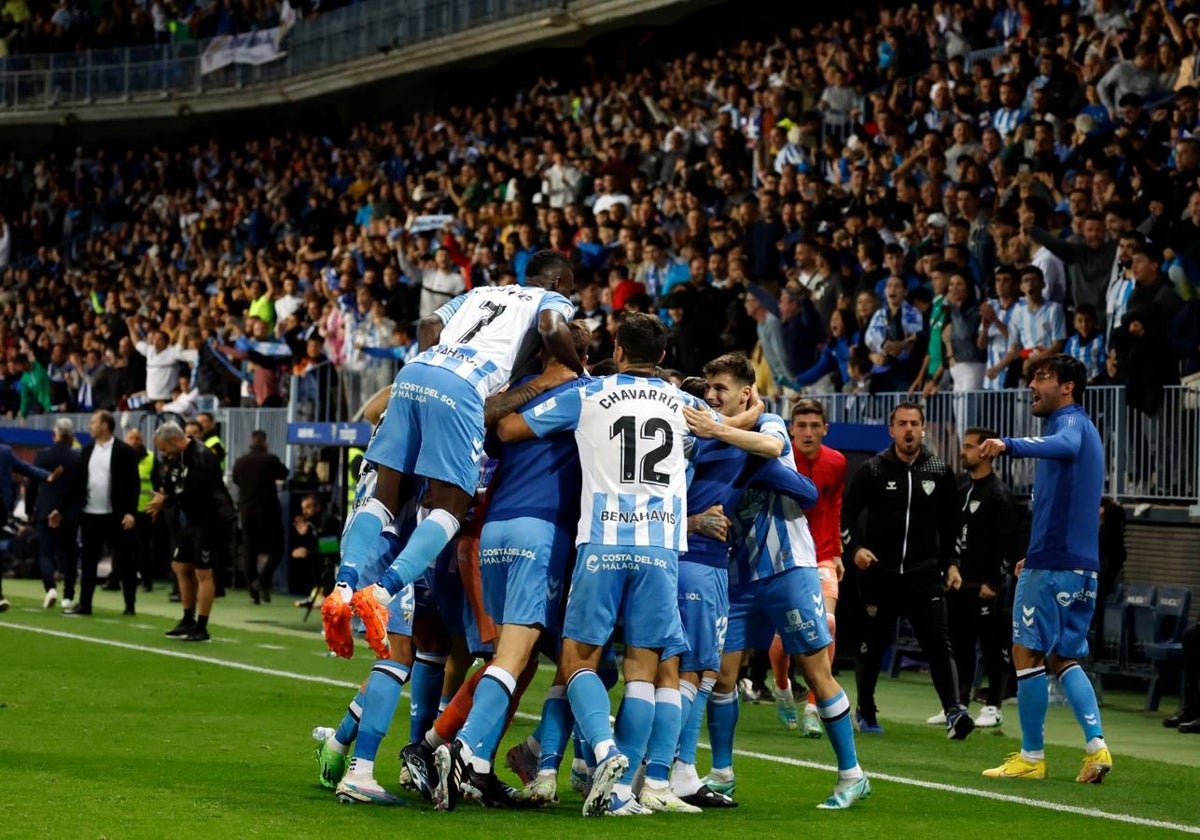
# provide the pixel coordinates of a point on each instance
(1147, 458)
(234, 425)
(149, 73)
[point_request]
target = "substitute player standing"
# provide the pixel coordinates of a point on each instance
(1056, 583)
(631, 434)
(827, 469)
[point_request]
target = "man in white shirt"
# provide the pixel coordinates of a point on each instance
(107, 490)
(161, 358)
(439, 285)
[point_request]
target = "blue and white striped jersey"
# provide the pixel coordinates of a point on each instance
(490, 331)
(770, 532)
(997, 343)
(632, 440)
(1029, 329)
(1090, 352)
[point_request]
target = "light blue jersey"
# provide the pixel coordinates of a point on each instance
(770, 533)
(632, 437)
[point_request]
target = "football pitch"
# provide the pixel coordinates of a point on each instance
(111, 730)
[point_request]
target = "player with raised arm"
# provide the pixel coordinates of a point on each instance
(433, 430)
(827, 469)
(774, 587)
(1056, 583)
(631, 434)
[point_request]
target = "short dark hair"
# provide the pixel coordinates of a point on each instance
(604, 367)
(694, 385)
(982, 432)
(258, 438)
(734, 364)
(545, 263)
(643, 338)
(1065, 369)
(907, 405)
(106, 417)
(808, 406)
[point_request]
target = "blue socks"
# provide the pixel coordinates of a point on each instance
(723, 713)
(664, 734)
(425, 544)
(382, 696)
(363, 544)
(835, 714)
(635, 719)
(589, 702)
(347, 730)
(1082, 698)
(555, 728)
(1033, 699)
(694, 702)
(485, 724)
(425, 688)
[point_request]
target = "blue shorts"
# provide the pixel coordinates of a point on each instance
(451, 604)
(521, 562)
(400, 612)
(635, 585)
(433, 427)
(790, 603)
(704, 611)
(1052, 610)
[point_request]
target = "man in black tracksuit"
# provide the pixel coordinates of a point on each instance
(902, 553)
(986, 554)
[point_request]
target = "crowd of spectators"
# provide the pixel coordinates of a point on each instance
(54, 26)
(863, 204)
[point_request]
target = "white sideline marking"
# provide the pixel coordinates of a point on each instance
(777, 759)
(271, 647)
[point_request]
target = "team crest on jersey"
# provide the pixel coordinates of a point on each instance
(928, 486)
(872, 610)
(891, 485)
(974, 506)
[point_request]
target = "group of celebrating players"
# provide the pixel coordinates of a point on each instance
(691, 546)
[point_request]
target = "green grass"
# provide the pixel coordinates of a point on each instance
(104, 741)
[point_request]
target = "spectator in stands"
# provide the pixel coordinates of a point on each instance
(1142, 341)
(316, 567)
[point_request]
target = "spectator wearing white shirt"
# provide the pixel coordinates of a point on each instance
(289, 302)
(1038, 327)
(439, 284)
(161, 359)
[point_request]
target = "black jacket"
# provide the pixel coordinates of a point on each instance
(195, 487)
(986, 544)
(60, 495)
(912, 513)
(255, 474)
(125, 482)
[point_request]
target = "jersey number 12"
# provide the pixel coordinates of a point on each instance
(654, 429)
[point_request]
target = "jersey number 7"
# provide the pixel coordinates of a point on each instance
(654, 429)
(494, 311)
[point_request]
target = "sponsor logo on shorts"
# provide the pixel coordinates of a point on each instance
(421, 393)
(504, 554)
(1027, 615)
(690, 596)
(621, 562)
(798, 624)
